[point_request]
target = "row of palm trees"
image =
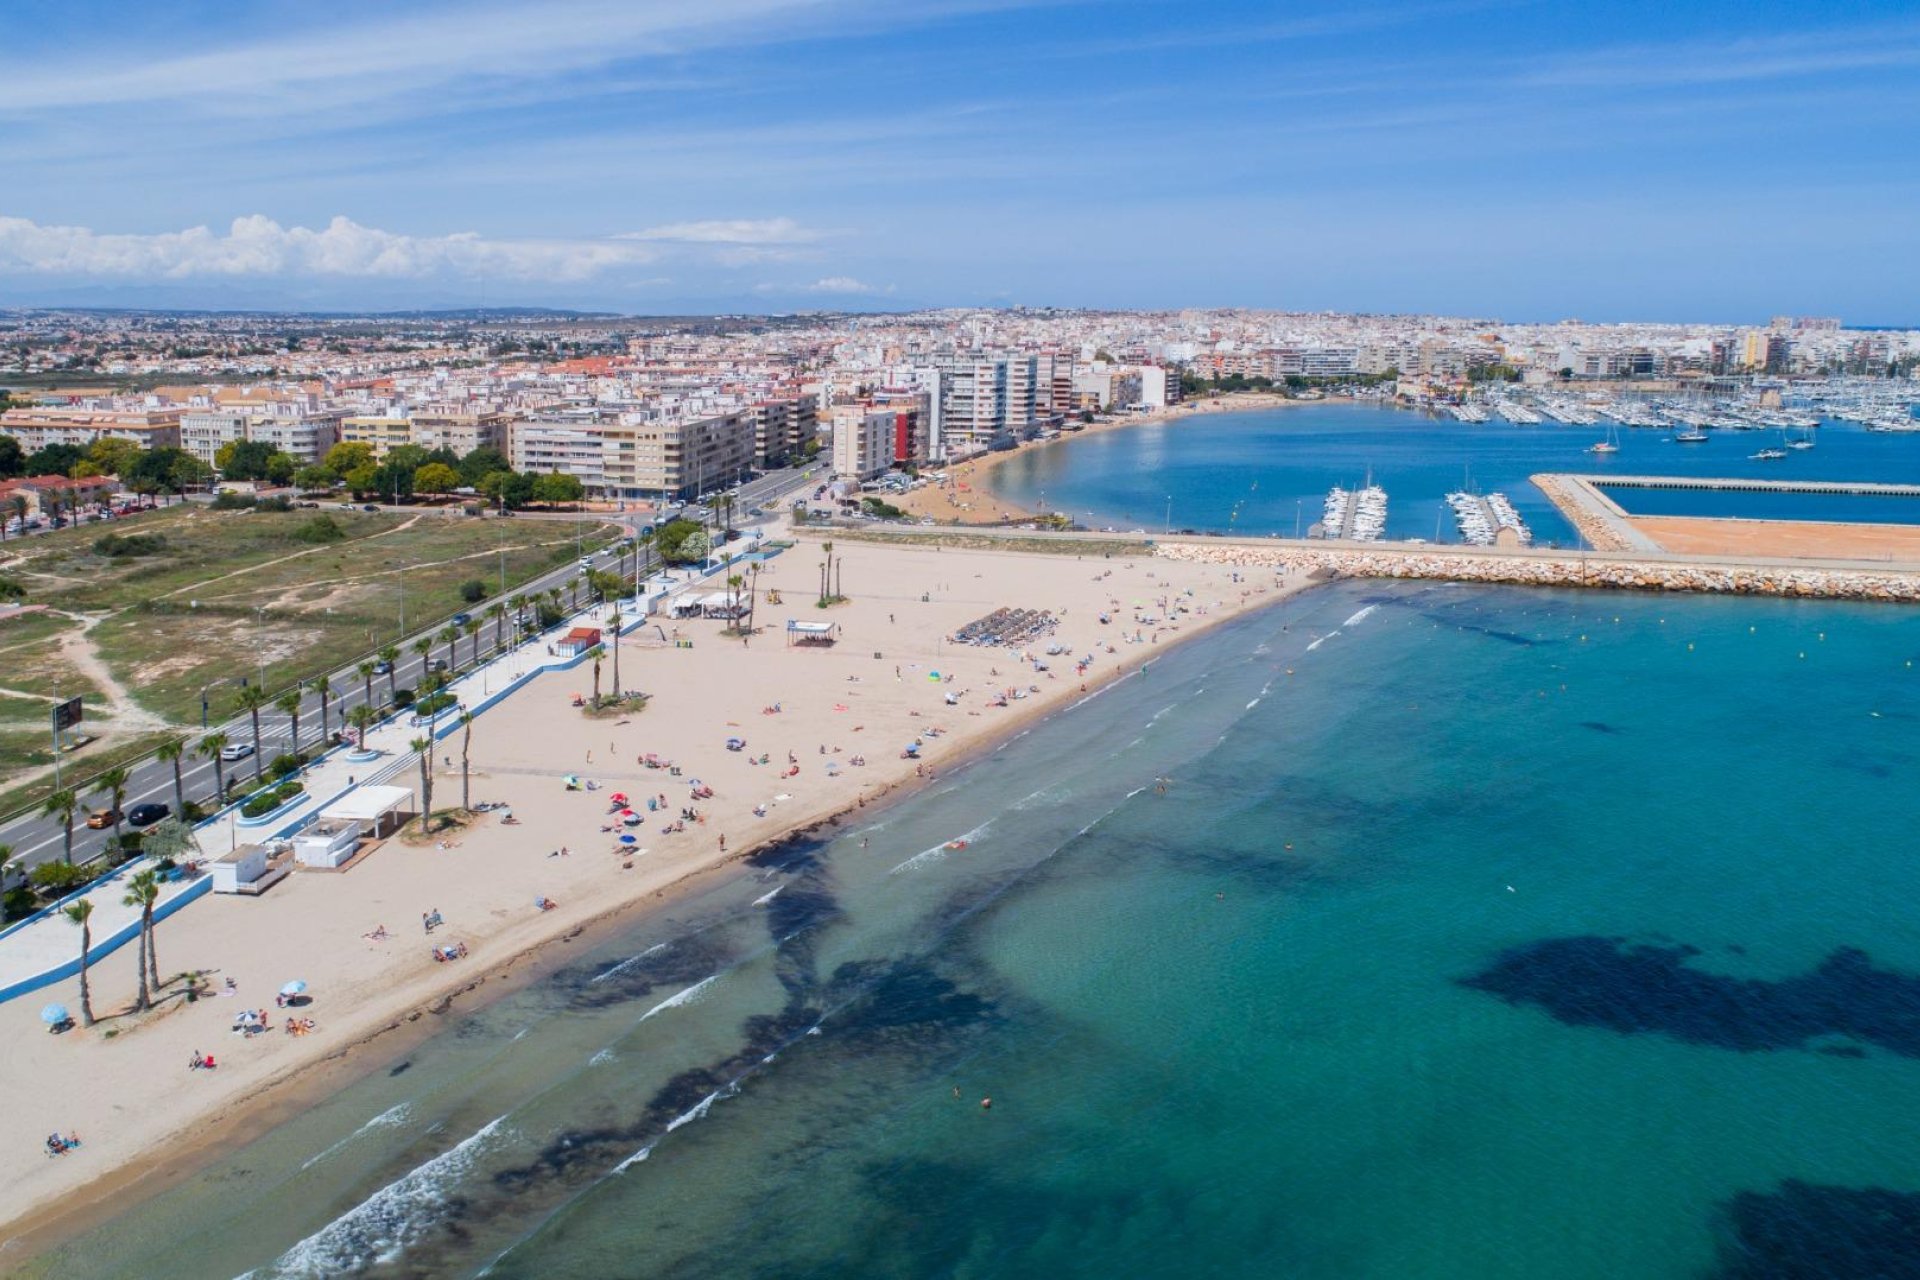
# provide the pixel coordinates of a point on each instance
(143, 891)
(64, 804)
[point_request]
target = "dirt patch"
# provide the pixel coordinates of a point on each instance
(1790, 539)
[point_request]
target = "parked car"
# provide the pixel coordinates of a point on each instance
(100, 819)
(236, 751)
(145, 815)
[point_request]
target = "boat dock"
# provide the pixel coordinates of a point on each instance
(1356, 515)
(1861, 488)
(1483, 520)
(1607, 526)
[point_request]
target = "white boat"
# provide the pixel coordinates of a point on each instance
(1768, 455)
(1692, 435)
(1610, 445)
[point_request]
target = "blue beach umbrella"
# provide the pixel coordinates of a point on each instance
(294, 988)
(629, 839)
(55, 1014)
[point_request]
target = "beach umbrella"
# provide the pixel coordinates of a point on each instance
(631, 818)
(55, 1014)
(571, 780)
(294, 988)
(629, 839)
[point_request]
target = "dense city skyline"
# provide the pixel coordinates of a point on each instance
(1713, 163)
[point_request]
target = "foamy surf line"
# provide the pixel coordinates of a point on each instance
(380, 1228)
(688, 996)
(393, 1115)
(608, 973)
(1360, 616)
(1322, 640)
(942, 849)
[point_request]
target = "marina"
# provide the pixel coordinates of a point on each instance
(1356, 515)
(1482, 520)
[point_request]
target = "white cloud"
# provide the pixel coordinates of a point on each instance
(826, 284)
(258, 246)
(751, 231)
(842, 284)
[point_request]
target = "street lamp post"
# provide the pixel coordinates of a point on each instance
(1169, 524)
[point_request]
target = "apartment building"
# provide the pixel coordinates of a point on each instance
(36, 428)
(975, 400)
(573, 448)
(678, 457)
(863, 440)
(382, 433)
(784, 429)
(460, 429)
(304, 436)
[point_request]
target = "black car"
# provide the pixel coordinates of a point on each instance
(369, 507)
(145, 815)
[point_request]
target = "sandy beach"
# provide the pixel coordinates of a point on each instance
(824, 732)
(967, 496)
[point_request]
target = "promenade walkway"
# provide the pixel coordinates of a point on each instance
(44, 948)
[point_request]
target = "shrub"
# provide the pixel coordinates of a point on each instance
(435, 703)
(56, 878)
(278, 503)
(473, 591)
(283, 765)
(322, 528)
(550, 616)
(229, 501)
(885, 510)
(113, 546)
(18, 902)
(11, 590)
(403, 697)
(268, 799)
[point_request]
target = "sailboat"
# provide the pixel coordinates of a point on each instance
(1610, 445)
(1802, 442)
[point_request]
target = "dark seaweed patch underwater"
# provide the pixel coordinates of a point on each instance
(1808, 1232)
(1644, 987)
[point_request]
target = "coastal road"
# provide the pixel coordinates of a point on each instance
(34, 839)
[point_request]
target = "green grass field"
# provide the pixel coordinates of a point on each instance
(239, 593)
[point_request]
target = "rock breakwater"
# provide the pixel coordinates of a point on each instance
(1562, 570)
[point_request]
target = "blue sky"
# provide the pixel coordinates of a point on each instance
(1609, 160)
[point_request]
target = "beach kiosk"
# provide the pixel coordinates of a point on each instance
(241, 870)
(811, 634)
(366, 811)
(577, 641)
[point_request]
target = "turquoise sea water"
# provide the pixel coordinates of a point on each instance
(1268, 471)
(1392, 931)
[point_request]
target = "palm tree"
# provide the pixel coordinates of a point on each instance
(80, 913)
(498, 612)
(19, 505)
(425, 747)
(141, 891)
(251, 699)
(113, 785)
(826, 570)
(466, 745)
(423, 646)
(362, 718)
(171, 751)
(390, 654)
(210, 748)
(518, 604)
(366, 682)
(324, 688)
(149, 894)
(288, 705)
(597, 653)
(734, 583)
(472, 628)
(61, 805)
(450, 636)
(613, 624)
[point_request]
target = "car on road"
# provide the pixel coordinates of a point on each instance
(369, 507)
(381, 667)
(100, 819)
(438, 664)
(145, 815)
(236, 751)
(461, 619)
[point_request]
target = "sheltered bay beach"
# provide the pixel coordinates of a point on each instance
(822, 730)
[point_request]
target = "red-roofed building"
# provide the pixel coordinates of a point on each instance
(577, 641)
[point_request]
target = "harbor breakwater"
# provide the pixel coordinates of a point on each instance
(1563, 570)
